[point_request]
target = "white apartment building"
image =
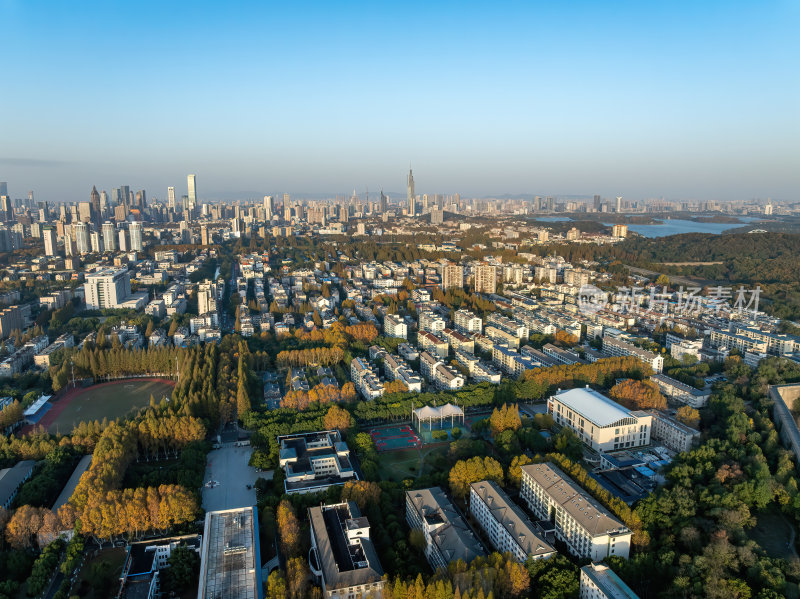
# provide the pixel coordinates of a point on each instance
(431, 343)
(675, 389)
(431, 322)
(671, 433)
(447, 537)
(365, 379)
(617, 347)
(600, 423)
(505, 524)
(510, 361)
(107, 288)
(588, 529)
(393, 326)
(467, 322)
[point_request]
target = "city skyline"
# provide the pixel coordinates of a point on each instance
(682, 101)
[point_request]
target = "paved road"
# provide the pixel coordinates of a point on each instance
(229, 469)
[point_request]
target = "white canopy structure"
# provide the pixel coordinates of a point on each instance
(431, 414)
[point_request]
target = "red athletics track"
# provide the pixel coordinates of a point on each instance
(59, 405)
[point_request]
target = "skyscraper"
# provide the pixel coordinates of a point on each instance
(384, 203)
(95, 200)
(50, 246)
(135, 230)
(171, 198)
(597, 203)
(82, 238)
(116, 196)
(109, 237)
(204, 236)
(412, 199)
(192, 183)
(619, 203)
(125, 194)
(268, 207)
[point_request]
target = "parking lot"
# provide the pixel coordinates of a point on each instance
(226, 479)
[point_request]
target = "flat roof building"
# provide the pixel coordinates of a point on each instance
(314, 461)
(505, 524)
(343, 557)
(230, 561)
(598, 581)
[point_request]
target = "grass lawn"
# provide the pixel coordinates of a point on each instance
(99, 576)
(112, 400)
(396, 465)
(774, 534)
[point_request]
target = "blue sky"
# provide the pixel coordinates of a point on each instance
(681, 100)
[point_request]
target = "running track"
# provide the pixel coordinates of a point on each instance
(60, 405)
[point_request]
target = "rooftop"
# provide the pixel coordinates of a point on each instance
(345, 553)
(583, 508)
(608, 582)
(230, 564)
(512, 518)
(593, 406)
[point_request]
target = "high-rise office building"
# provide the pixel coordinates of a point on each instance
(107, 288)
(6, 208)
(95, 201)
(135, 230)
(116, 196)
(191, 181)
(103, 201)
(452, 276)
(125, 195)
(171, 198)
(268, 207)
(82, 238)
(619, 203)
(597, 203)
(204, 238)
(50, 246)
(85, 212)
(141, 199)
(384, 206)
(109, 237)
(96, 242)
(485, 278)
(124, 245)
(411, 198)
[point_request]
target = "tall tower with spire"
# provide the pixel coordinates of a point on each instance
(95, 199)
(412, 198)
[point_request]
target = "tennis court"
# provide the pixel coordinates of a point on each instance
(395, 437)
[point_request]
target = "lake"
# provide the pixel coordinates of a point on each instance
(678, 226)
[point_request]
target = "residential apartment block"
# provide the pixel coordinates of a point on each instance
(505, 524)
(588, 529)
(617, 347)
(448, 538)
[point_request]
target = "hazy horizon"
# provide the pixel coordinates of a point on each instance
(686, 101)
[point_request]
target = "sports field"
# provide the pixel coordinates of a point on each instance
(106, 400)
(394, 437)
